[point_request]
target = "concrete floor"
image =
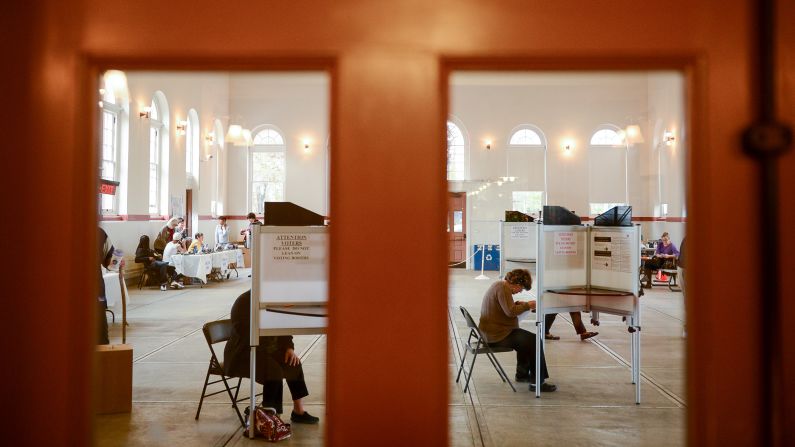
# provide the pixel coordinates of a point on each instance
(594, 404)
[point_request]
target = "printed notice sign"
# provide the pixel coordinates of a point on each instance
(565, 243)
(612, 252)
(520, 232)
(291, 247)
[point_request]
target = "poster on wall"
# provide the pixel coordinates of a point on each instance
(612, 252)
(520, 232)
(176, 206)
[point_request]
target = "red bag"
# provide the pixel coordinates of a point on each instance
(268, 425)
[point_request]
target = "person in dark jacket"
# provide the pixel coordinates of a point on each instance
(105, 255)
(146, 256)
(276, 361)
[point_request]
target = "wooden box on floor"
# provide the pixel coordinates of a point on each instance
(113, 384)
(246, 256)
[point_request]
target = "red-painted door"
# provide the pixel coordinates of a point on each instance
(456, 227)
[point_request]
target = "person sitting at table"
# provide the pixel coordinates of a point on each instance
(197, 245)
(165, 235)
(576, 320)
(276, 361)
(664, 256)
(499, 324)
(221, 232)
(174, 247)
(146, 256)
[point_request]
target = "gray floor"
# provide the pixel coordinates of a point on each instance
(594, 404)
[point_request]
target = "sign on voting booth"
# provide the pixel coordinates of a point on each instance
(289, 268)
(589, 269)
(518, 245)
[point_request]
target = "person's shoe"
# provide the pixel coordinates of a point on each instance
(304, 418)
(549, 336)
(546, 387)
(586, 335)
(163, 287)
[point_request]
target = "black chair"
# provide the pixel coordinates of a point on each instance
(480, 346)
(217, 332)
(144, 278)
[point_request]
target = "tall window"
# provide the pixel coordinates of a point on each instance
(607, 170)
(455, 152)
(528, 202)
(155, 155)
(526, 158)
(267, 169)
(109, 167)
(192, 137)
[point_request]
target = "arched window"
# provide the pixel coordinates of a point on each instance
(267, 168)
(158, 132)
(607, 169)
(109, 163)
(192, 138)
(455, 152)
(607, 137)
(526, 158)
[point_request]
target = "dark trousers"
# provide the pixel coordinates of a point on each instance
(271, 371)
(102, 324)
(524, 343)
(165, 272)
(576, 319)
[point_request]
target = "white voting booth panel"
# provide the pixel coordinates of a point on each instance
(592, 269)
(289, 269)
(518, 245)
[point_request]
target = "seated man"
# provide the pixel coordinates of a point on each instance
(500, 325)
(276, 361)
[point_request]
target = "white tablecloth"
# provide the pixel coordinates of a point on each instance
(112, 288)
(193, 266)
(199, 266)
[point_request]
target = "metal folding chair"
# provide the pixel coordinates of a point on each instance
(476, 344)
(217, 332)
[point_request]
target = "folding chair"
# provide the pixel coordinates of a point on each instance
(480, 346)
(144, 278)
(217, 332)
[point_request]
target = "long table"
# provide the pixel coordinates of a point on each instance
(201, 265)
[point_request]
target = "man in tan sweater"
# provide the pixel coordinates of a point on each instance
(499, 323)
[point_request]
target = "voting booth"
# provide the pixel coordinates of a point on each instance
(289, 282)
(589, 269)
(519, 245)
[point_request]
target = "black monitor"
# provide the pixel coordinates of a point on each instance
(617, 216)
(558, 215)
(286, 214)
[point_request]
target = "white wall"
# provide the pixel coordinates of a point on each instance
(298, 105)
(569, 107)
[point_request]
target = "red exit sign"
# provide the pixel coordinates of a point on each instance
(108, 187)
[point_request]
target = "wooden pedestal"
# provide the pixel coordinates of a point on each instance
(113, 384)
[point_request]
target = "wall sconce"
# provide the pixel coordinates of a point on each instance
(488, 144)
(210, 137)
(568, 147)
(668, 138)
(181, 127)
(146, 112)
(307, 149)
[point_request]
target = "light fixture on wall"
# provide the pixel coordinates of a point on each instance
(633, 134)
(182, 126)
(668, 138)
(210, 137)
(307, 149)
(488, 144)
(237, 135)
(145, 112)
(568, 146)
